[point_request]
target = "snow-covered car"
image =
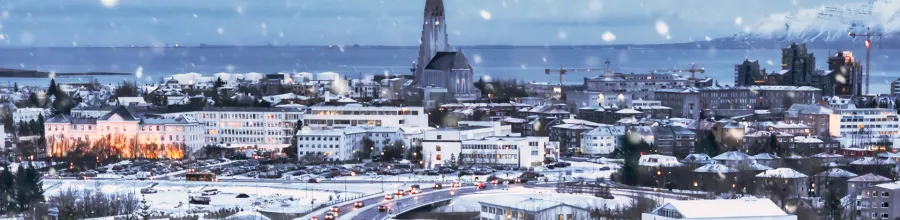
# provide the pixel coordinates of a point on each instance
(148, 191)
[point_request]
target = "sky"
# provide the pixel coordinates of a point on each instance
(39, 23)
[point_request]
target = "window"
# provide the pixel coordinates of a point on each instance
(437, 148)
(438, 137)
(885, 205)
(885, 194)
(438, 157)
(884, 215)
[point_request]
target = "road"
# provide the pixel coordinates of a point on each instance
(372, 202)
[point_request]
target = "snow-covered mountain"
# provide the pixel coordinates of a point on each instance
(828, 23)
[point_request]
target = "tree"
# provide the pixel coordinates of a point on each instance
(219, 83)
(833, 209)
(392, 152)
(23, 190)
(16, 87)
(7, 191)
(368, 146)
(481, 85)
(126, 89)
(632, 149)
(773, 145)
(707, 144)
(52, 90)
(35, 183)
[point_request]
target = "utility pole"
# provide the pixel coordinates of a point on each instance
(868, 36)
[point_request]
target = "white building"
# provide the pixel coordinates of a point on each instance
(440, 144)
(865, 126)
(527, 208)
(736, 209)
(343, 143)
(349, 116)
(29, 114)
(602, 140)
(505, 151)
(656, 160)
(270, 129)
(125, 135)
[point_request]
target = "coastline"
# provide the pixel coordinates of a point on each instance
(17, 73)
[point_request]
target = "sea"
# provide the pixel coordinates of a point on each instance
(525, 64)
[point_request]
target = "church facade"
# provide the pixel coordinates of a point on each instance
(438, 65)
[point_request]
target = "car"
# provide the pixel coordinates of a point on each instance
(437, 186)
(494, 182)
(148, 191)
(314, 218)
(330, 216)
(388, 196)
(401, 192)
(312, 180)
(415, 186)
(604, 168)
(370, 173)
(335, 209)
(415, 191)
(481, 185)
(382, 208)
(455, 185)
(358, 204)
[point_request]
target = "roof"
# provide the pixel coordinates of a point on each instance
(766, 156)
(891, 186)
(826, 155)
(869, 177)
(449, 61)
(725, 208)
(872, 161)
(733, 155)
(525, 203)
(715, 168)
(122, 112)
(782, 173)
(836, 172)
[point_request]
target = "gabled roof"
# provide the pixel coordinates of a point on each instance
(715, 168)
(733, 155)
(122, 112)
(870, 177)
(782, 173)
(836, 172)
(449, 61)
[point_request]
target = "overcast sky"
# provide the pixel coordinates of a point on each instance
(377, 22)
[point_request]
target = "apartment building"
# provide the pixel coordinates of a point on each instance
(865, 127)
(351, 116)
(442, 144)
(508, 151)
(265, 128)
(29, 114)
(685, 102)
(343, 143)
(512, 207)
(879, 201)
(735, 101)
(602, 140)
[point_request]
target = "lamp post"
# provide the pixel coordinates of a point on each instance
(868, 36)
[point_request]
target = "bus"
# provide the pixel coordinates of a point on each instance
(200, 176)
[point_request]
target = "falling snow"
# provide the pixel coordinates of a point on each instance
(609, 36)
(109, 3)
(139, 73)
(738, 21)
(485, 15)
(662, 28)
(477, 59)
(595, 5)
(562, 35)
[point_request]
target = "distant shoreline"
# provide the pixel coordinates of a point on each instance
(17, 73)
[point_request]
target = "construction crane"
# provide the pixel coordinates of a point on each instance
(694, 70)
(868, 36)
(562, 71)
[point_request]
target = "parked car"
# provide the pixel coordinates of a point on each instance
(370, 173)
(148, 191)
(312, 180)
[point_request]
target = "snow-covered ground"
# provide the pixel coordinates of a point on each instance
(172, 196)
(469, 203)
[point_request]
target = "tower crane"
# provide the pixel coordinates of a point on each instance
(694, 70)
(562, 71)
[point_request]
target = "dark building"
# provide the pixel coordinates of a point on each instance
(844, 76)
(748, 73)
(800, 66)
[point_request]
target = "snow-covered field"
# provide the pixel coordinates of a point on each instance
(469, 203)
(172, 196)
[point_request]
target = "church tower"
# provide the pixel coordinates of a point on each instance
(434, 36)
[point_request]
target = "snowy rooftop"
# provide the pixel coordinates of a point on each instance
(766, 156)
(628, 111)
(725, 208)
(872, 161)
(891, 186)
(826, 155)
(656, 160)
(808, 140)
(758, 167)
(870, 177)
(733, 155)
(836, 172)
(785, 173)
(696, 157)
(523, 203)
(715, 168)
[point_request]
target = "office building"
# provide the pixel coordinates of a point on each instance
(749, 73)
(351, 116)
(736, 209)
(736, 101)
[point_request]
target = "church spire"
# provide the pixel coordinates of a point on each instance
(434, 35)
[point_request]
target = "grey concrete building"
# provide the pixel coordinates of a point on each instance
(879, 202)
(685, 102)
(731, 101)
